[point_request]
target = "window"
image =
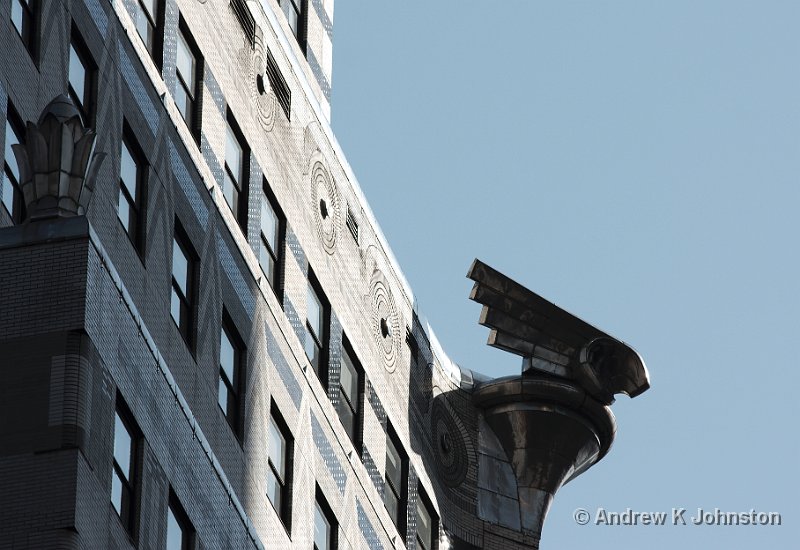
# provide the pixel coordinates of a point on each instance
(351, 388)
(325, 526)
(237, 172)
(183, 277)
(279, 471)
(123, 475)
(23, 18)
(427, 522)
(273, 227)
(189, 70)
(295, 13)
(231, 358)
(395, 490)
(131, 184)
(413, 349)
(80, 76)
(12, 194)
(146, 20)
(317, 320)
(180, 534)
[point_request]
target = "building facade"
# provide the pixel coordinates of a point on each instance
(211, 345)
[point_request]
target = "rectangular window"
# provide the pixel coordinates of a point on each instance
(237, 171)
(12, 193)
(231, 359)
(81, 76)
(351, 388)
(427, 522)
(279, 470)
(131, 189)
(183, 281)
(273, 227)
(146, 20)
(123, 475)
(24, 21)
(395, 489)
(325, 525)
(180, 533)
(295, 14)
(413, 349)
(189, 71)
(318, 316)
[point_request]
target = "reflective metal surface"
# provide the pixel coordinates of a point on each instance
(57, 162)
(552, 421)
(554, 341)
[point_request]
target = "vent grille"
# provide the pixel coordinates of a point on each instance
(279, 86)
(352, 224)
(246, 19)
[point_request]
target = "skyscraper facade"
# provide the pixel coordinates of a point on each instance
(205, 341)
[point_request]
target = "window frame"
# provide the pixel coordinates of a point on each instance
(30, 10)
(284, 509)
(300, 9)
(277, 255)
(13, 122)
(155, 23)
(234, 388)
(321, 341)
(241, 190)
(137, 205)
(321, 504)
(189, 299)
(424, 501)
(128, 511)
(346, 401)
(178, 512)
(195, 95)
(86, 104)
(400, 493)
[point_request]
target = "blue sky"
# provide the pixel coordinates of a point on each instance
(635, 162)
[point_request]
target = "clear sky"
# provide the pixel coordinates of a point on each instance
(635, 162)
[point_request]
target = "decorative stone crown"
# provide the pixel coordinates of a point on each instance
(57, 163)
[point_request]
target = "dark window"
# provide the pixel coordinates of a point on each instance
(295, 13)
(180, 534)
(237, 171)
(146, 19)
(231, 359)
(123, 475)
(395, 490)
(23, 16)
(189, 70)
(279, 470)
(81, 76)
(427, 522)
(131, 189)
(12, 194)
(413, 349)
(325, 525)
(273, 227)
(318, 316)
(279, 86)
(351, 388)
(183, 281)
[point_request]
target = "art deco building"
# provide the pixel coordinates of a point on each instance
(205, 341)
